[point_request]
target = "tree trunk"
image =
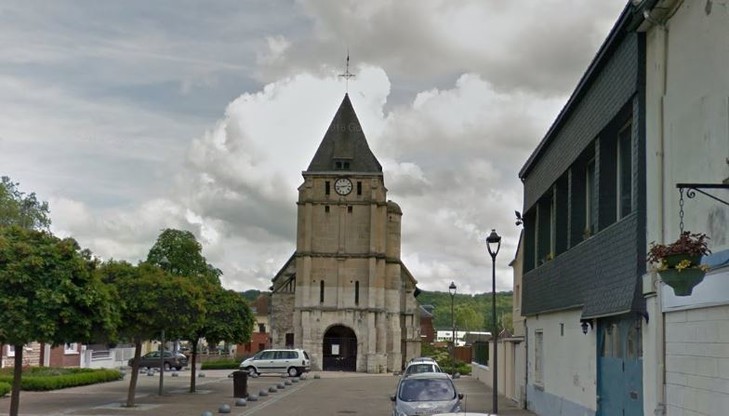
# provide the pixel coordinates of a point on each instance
(17, 378)
(193, 366)
(135, 374)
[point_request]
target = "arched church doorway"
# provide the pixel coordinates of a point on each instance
(340, 349)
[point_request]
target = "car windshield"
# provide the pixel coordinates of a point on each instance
(421, 368)
(424, 389)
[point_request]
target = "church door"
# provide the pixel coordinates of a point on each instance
(340, 349)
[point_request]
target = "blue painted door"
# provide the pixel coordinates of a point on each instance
(619, 367)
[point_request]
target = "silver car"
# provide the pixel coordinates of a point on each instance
(425, 394)
(421, 367)
(290, 361)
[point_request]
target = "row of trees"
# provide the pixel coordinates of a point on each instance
(54, 292)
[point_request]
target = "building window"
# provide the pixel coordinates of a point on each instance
(321, 291)
(289, 339)
(341, 165)
(349, 209)
(545, 228)
(327, 188)
(359, 188)
(10, 350)
(590, 199)
(625, 171)
(70, 348)
(356, 292)
(326, 208)
(261, 327)
(539, 357)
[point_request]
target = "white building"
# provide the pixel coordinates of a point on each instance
(686, 343)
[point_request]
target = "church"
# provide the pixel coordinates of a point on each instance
(345, 295)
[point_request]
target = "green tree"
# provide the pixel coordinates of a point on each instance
(467, 319)
(23, 210)
(227, 318)
(152, 300)
(48, 293)
(179, 253)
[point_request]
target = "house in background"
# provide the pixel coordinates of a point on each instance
(260, 336)
(584, 240)
(427, 331)
(686, 341)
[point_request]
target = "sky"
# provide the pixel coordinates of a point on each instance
(132, 117)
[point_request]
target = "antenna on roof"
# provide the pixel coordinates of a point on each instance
(347, 75)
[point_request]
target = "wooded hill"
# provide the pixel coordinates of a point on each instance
(471, 312)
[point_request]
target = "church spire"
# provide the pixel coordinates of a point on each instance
(344, 146)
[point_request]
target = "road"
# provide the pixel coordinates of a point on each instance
(324, 393)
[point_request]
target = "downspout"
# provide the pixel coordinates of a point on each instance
(526, 362)
(662, 57)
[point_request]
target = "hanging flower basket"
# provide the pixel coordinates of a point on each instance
(682, 281)
(678, 263)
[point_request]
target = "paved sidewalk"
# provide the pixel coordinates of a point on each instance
(320, 393)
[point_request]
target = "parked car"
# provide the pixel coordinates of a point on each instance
(424, 366)
(289, 361)
(171, 360)
(422, 359)
(425, 393)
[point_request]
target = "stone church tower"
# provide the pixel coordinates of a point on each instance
(344, 295)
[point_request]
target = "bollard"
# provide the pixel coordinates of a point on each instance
(263, 393)
(201, 375)
(287, 382)
(224, 408)
(240, 402)
(272, 389)
(175, 374)
(206, 413)
(253, 398)
(295, 380)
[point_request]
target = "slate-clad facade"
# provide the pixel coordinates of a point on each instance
(599, 271)
(584, 240)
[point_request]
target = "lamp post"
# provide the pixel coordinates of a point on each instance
(493, 243)
(452, 291)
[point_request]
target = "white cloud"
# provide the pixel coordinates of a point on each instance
(204, 121)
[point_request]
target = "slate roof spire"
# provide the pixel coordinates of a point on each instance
(344, 146)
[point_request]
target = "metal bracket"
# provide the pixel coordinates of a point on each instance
(692, 188)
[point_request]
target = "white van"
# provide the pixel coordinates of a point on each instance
(289, 361)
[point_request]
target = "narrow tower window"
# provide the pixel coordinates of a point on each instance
(359, 188)
(349, 209)
(326, 208)
(356, 292)
(321, 291)
(326, 188)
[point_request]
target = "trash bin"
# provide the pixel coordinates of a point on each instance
(240, 384)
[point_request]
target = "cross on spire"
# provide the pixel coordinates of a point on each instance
(347, 75)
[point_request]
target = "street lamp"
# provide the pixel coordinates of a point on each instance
(493, 243)
(452, 291)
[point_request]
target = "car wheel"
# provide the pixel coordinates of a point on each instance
(251, 371)
(167, 366)
(293, 372)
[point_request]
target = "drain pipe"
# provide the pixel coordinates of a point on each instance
(526, 363)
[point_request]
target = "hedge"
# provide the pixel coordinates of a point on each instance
(44, 378)
(5, 389)
(224, 364)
